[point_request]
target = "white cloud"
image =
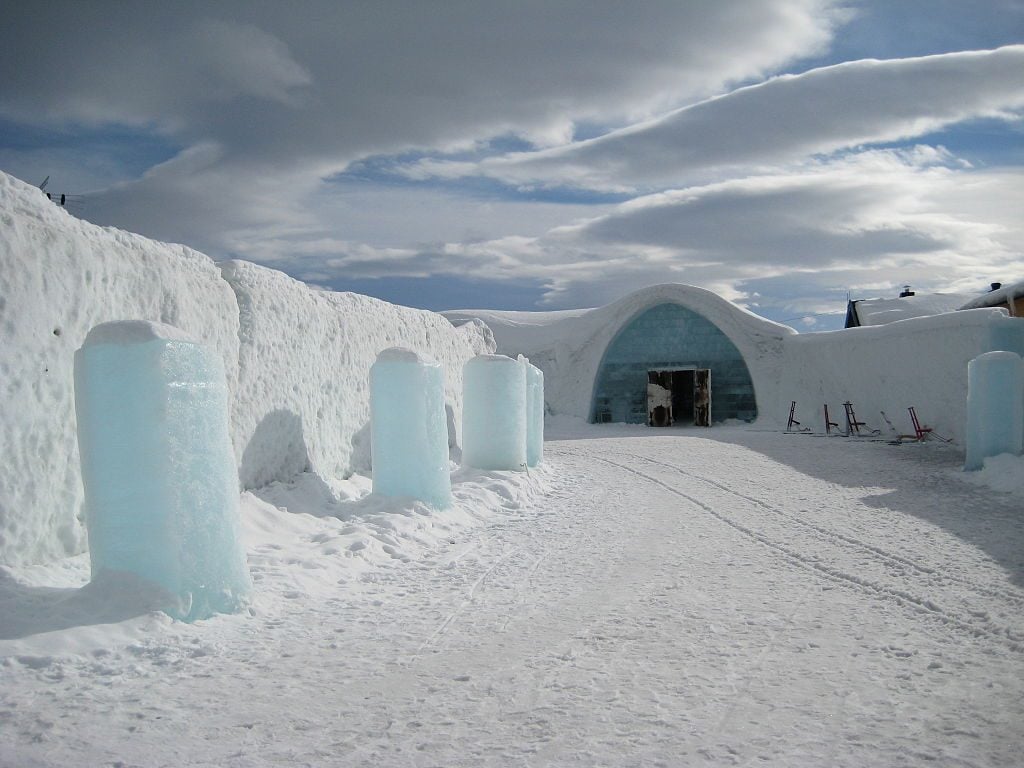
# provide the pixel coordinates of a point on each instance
(867, 223)
(268, 102)
(778, 121)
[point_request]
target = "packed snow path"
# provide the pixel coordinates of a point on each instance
(725, 597)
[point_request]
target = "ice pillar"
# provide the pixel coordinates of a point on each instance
(161, 484)
(534, 413)
(494, 413)
(409, 428)
(995, 407)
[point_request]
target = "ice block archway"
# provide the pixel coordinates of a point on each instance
(670, 336)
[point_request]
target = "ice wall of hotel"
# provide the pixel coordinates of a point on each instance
(494, 423)
(534, 413)
(409, 428)
(161, 485)
(995, 407)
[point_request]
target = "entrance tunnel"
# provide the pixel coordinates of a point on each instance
(670, 337)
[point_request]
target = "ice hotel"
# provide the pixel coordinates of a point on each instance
(680, 355)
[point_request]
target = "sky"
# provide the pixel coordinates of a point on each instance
(785, 154)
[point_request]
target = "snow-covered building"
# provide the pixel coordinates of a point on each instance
(862, 312)
(677, 342)
(659, 347)
(1009, 297)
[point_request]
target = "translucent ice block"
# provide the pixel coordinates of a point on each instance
(494, 413)
(995, 407)
(409, 428)
(534, 414)
(161, 485)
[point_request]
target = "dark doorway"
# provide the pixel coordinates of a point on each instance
(679, 397)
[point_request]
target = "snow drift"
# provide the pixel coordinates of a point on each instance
(296, 359)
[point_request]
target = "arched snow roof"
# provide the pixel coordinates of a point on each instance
(568, 346)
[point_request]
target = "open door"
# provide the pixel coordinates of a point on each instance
(680, 397)
(659, 398)
(702, 397)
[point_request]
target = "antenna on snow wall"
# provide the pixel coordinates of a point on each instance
(64, 200)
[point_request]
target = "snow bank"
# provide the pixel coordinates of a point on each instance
(296, 359)
(303, 397)
(1004, 473)
(60, 276)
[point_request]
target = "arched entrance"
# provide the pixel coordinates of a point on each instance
(678, 351)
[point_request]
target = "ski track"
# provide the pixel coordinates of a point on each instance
(1016, 597)
(668, 602)
(840, 574)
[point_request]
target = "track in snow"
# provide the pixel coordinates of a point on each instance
(830, 565)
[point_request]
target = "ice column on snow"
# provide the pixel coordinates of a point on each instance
(494, 413)
(534, 413)
(409, 428)
(161, 484)
(995, 407)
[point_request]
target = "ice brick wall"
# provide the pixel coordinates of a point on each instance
(60, 276)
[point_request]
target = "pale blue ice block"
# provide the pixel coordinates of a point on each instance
(409, 428)
(995, 407)
(534, 414)
(161, 485)
(494, 413)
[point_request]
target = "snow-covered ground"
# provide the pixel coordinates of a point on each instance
(672, 597)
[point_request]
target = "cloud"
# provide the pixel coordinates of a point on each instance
(781, 120)
(314, 90)
(867, 222)
(740, 187)
(914, 216)
(379, 76)
(288, 99)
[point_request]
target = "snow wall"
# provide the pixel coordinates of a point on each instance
(920, 362)
(302, 401)
(297, 360)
